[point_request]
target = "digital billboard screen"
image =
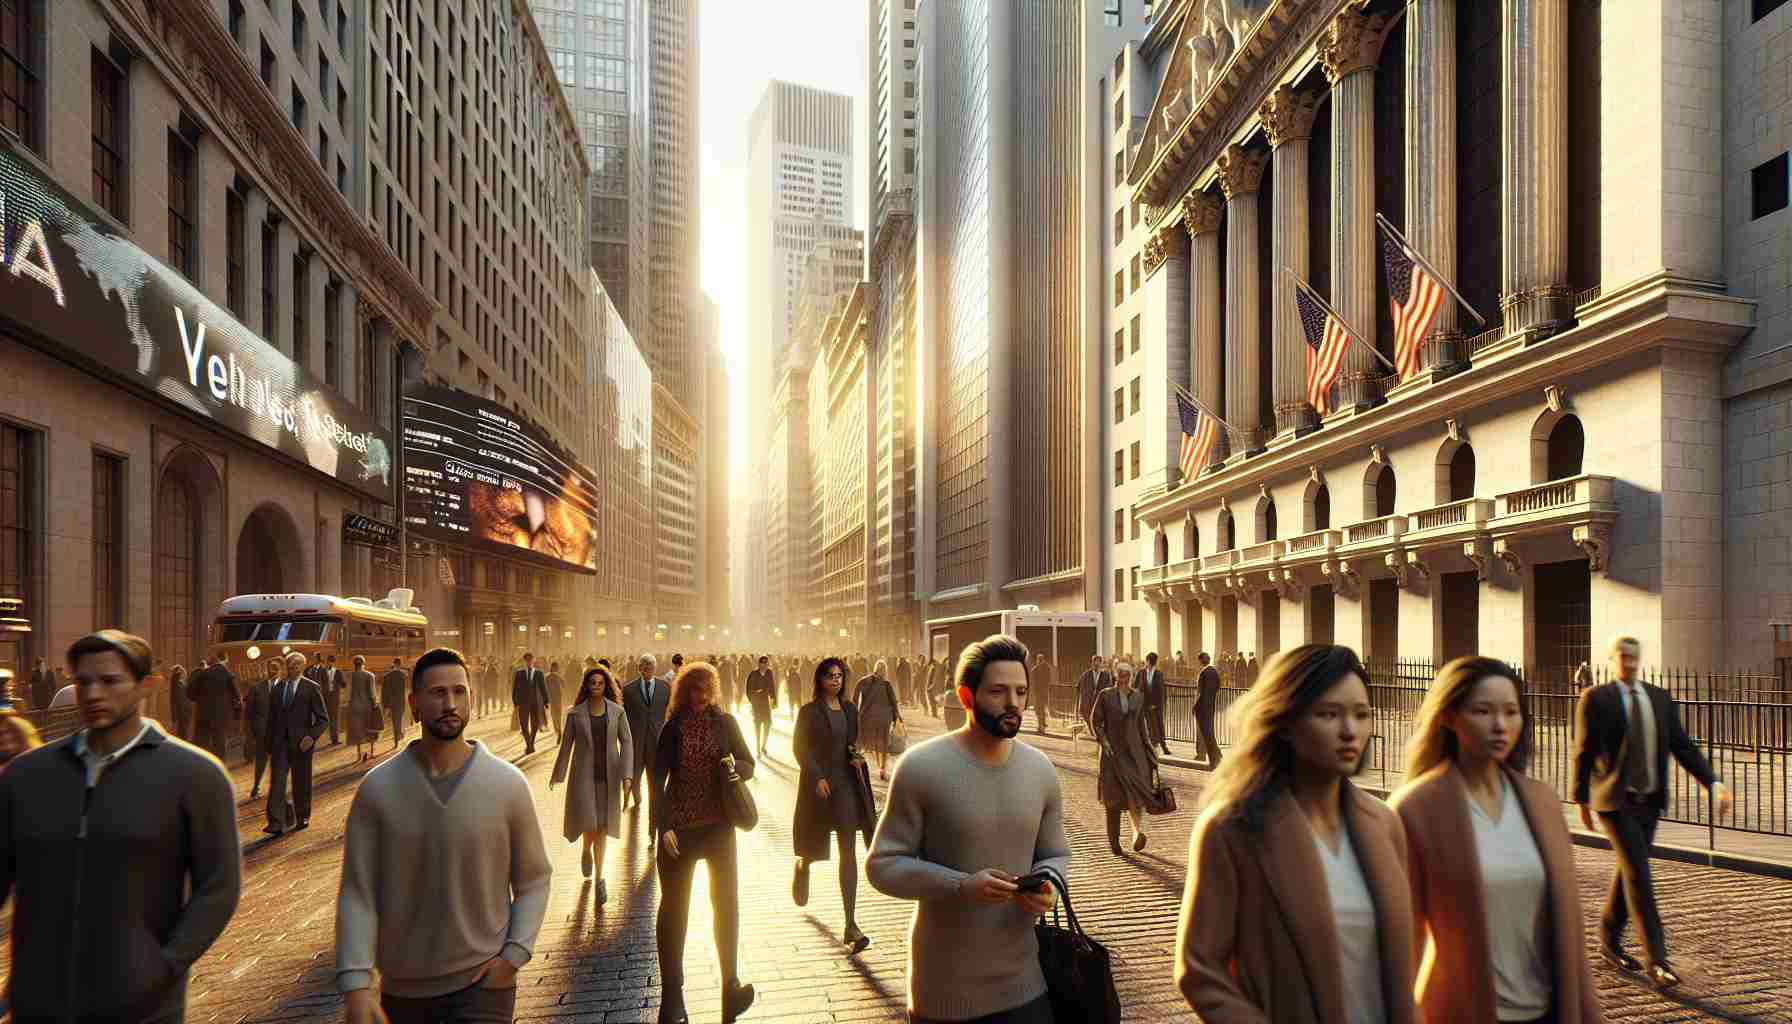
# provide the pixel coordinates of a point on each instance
(475, 474)
(73, 285)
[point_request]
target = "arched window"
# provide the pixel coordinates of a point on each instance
(1455, 472)
(1567, 445)
(1191, 538)
(1161, 547)
(1378, 493)
(1266, 520)
(1322, 508)
(1230, 529)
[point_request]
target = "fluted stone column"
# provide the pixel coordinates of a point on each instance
(1431, 164)
(255, 213)
(1240, 175)
(1534, 293)
(1201, 213)
(1348, 49)
(1167, 313)
(1288, 121)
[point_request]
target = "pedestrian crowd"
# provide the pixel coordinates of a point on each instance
(1306, 898)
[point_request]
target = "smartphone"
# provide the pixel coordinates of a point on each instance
(1034, 882)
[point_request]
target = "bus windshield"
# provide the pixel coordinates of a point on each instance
(312, 631)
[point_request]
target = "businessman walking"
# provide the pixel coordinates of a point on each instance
(296, 718)
(644, 702)
(529, 692)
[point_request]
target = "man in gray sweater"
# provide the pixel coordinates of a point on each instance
(969, 814)
(477, 887)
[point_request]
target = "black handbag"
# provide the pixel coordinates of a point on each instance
(738, 805)
(1079, 972)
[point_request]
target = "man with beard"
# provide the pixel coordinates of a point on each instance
(968, 815)
(118, 846)
(477, 885)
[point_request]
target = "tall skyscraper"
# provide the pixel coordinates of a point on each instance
(894, 104)
(1002, 280)
(676, 201)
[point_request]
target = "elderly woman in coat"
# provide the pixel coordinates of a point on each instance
(878, 711)
(1128, 780)
(598, 748)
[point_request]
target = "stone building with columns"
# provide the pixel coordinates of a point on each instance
(191, 200)
(1549, 474)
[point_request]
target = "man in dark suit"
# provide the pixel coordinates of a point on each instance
(1151, 683)
(762, 694)
(256, 702)
(43, 685)
(1207, 701)
(217, 704)
(1089, 686)
(529, 693)
(644, 703)
(296, 718)
(320, 674)
(1623, 733)
(395, 685)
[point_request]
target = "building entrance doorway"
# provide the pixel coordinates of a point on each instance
(1459, 613)
(1563, 605)
(1269, 625)
(1322, 614)
(1229, 625)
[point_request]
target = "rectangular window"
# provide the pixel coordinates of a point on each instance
(1135, 272)
(1133, 453)
(1119, 595)
(333, 334)
(1134, 394)
(1119, 467)
(236, 21)
(1119, 287)
(1769, 183)
(181, 202)
(1119, 223)
(1135, 333)
(1135, 527)
(298, 108)
(108, 135)
(1119, 166)
(298, 30)
(18, 507)
(236, 242)
(1119, 404)
(1119, 526)
(108, 546)
(18, 69)
(267, 65)
(1119, 346)
(301, 305)
(270, 277)
(1135, 213)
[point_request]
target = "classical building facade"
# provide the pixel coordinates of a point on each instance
(203, 344)
(1540, 479)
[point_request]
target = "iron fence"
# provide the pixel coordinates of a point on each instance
(1742, 721)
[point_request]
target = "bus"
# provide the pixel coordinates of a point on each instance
(251, 627)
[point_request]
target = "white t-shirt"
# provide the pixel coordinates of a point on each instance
(1359, 946)
(1514, 889)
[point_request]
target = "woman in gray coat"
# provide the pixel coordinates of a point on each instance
(600, 751)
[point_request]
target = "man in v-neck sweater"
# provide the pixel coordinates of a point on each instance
(444, 872)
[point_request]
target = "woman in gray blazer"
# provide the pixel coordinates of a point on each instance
(597, 745)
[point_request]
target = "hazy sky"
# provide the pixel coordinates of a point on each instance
(745, 44)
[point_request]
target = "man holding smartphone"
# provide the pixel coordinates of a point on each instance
(991, 813)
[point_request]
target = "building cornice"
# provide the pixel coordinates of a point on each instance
(1659, 311)
(548, 84)
(202, 62)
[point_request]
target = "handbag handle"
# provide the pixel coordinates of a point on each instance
(1057, 878)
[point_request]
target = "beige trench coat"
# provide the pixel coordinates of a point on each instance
(578, 745)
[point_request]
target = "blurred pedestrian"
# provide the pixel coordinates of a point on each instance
(17, 736)
(442, 841)
(1128, 765)
(645, 701)
(393, 687)
(970, 814)
(1040, 692)
(256, 705)
(1501, 915)
(596, 753)
(1151, 686)
(698, 747)
(118, 845)
(556, 684)
(833, 794)
(1297, 908)
(180, 703)
(1093, 680)
(217, 705)
(296, 721)
(878, 714)
(362, 725)
(1207, 702)
(43, 685)
(1623, 733)
(529, 694)
(762, 694)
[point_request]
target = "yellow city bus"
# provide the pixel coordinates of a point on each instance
(251, 627)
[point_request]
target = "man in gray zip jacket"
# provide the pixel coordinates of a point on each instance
(119, 847)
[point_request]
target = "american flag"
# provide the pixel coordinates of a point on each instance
(1415, 296)
(1199, 431)
(1327, 341)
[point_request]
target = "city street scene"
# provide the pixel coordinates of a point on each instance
(651, 511)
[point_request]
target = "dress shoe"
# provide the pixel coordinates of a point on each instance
(1621, 960)
(799, 886)
(273, 830)
(303, 824)
(736, 998)
(1138, 842)
(1662, 975)
(672, 1010)
(856, 941)
(585, 862)
(603, 892)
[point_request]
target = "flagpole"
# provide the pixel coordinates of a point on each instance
(1197, 403)
(1349, 331)
(1429, 269)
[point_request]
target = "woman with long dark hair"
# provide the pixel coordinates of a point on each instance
(689, 825)
(596, 752)
(1496, 902)
(1297, 908)
(834, 793)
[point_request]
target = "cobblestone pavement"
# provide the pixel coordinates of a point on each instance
(596, 965)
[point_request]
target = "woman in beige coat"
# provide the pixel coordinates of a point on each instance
(597, 745)
(1297, 909)
(1497, 916)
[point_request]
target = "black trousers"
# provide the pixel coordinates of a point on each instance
(473, 1005)
(290, 760)
(1210, 744)
(529, 720)
(210, 735)
(713, 844)
(1631, 829)
(333, 704)
(396, 713)
(1154, 724)
(1039, 1011)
